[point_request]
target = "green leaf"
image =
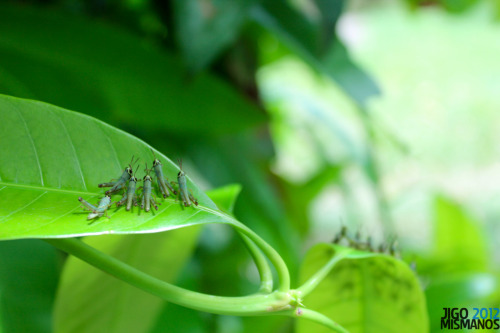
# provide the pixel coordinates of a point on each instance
(225, 197)
(111, 74)
(364, 292)
(28, 280)
(51, 156)
(114, 306)
(459, 244)
(205, 28)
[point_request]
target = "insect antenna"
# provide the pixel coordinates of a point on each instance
(148, 171)
(154, 155)
(132, 162)
(135, 172)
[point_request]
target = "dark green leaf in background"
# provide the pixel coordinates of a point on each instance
(29, 274)
(205, 28)
(113, 75)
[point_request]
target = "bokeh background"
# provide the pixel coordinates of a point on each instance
(382, 116)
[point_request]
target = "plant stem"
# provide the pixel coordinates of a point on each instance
(259, 304)
(266, 276)
(269, 251)
(314, 280)
(314, 316)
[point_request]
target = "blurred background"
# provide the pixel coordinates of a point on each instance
(378, 115)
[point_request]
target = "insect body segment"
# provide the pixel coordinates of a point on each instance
(122, 181)
(98, 211)
(147, 198)
(163, 183)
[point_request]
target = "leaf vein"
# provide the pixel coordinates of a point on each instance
(32, 143)
(72, 147)
(112, 147)
(23, 207)
(53, 220)
(47, 189)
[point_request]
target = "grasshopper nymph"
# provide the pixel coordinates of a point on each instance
(187, 198)
(130, 197)
(98, 211)
(163, 183)
(147, 198)
(122, 181)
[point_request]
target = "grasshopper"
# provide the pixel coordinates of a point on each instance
(147, 198)
(341, 235)
(122, 181)
(186, 196)
(130, 197)
(98, 211)
(163, 183)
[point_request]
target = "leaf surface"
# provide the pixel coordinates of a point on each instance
(364, 292)
(50, 156)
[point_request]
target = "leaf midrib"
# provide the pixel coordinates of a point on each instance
(48, 189)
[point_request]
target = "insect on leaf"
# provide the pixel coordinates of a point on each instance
(50, 156)
(364, 293)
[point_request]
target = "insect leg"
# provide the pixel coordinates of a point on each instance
(87, 205)
(153, 202)
(192, 198)
(122, 200)
(169, 185)
(163, 187)
(110, 184)
(117, 187)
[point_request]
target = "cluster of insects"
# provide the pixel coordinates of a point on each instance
(128, 182)
(342, 238)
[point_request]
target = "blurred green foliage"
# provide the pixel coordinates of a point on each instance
(265, 94)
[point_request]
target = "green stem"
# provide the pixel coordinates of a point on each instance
(314, 316)
(266, 276)
(259, 304)
(269, 251)
(314, 280)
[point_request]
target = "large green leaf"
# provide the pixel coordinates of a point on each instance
(364, 292)
(114, 306)
(108, 73)
(50, 156)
